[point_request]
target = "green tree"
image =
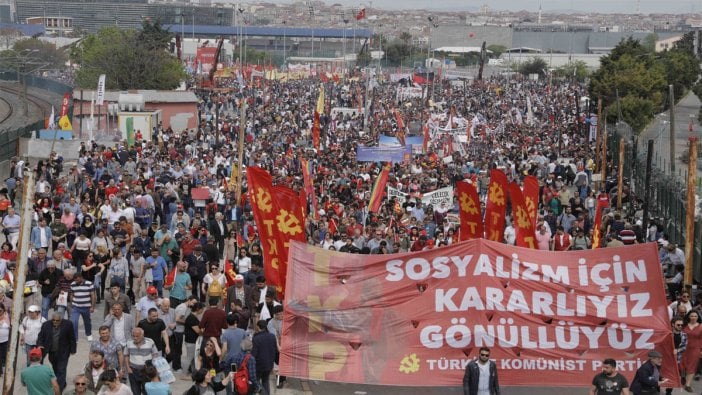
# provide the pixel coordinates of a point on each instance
(577, 70)
(41, 52)
(650, 42)
(129, 59)
(533, 66)
(681, 70)
(636, 111)
(496, 49)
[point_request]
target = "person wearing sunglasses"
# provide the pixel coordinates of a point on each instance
(80, 386)
(477, 372)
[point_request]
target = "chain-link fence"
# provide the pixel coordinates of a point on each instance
(668, 191)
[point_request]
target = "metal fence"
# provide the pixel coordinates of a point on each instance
(668, 191)
(9, 139)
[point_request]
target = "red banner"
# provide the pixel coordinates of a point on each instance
(531, 197)
(206, 57)
(290, 221)
(401, 319)
(470, 213)
(496, 206)
(522, 222)
(229, 272)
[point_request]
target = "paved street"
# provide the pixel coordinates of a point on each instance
(659, 131)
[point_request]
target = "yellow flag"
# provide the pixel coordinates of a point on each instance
(320, 100)
(65, 123)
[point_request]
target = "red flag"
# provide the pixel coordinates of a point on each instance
(361, 14)
(229, 272)
(531, 197)
(265, 210)
(496, 206)
(419, 79)
(65, 103)
(400, 128)
(470, 215)
(425, 141)
(523, 224)
(315, 130)
(303, 201)
(170, 277)
(309, 187)
(597, 233)
(378, 189)
(290, 224)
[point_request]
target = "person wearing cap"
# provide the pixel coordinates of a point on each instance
(146, 303)
(37, 378)
(29, 328)
(609, 381)
(648, 378)
(57, 340)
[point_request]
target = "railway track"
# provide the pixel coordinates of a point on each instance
(41, 104)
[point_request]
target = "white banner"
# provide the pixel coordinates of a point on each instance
(404, 93)
(399, 196)
(100, 90)
(593, 127)
(443, 195)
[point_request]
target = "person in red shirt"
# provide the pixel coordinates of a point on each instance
(214, 320)
(561, 240)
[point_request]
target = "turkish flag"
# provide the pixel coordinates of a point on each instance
(170, 277)
(229, 272)
(470, 213)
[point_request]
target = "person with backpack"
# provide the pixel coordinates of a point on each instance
(245, 382)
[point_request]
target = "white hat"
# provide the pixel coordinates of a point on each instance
(33, 309)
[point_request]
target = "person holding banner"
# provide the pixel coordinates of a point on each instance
(480, 377)
(648, 379)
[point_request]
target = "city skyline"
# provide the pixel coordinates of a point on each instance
(595, 6)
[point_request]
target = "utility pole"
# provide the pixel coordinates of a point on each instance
(672, 128)
(240, 163)
(647, 184)
(620, 176)
(690, 212)
(20, 278)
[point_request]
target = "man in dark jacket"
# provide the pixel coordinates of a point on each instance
(648, 378)
(58, 339)
(48, 278)
(477, 371)
(264, 349)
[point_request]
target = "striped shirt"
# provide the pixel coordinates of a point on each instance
(139, 354)
(82, 294)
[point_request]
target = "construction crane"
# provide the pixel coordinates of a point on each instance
(208, 82)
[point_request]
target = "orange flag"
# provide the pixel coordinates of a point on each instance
(470, 215)
(496, 206)
(523, 224)
(531, 197)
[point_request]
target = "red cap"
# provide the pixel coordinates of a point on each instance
(151, 290)
(35, 352)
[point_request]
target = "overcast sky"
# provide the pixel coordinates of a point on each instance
(601, 6)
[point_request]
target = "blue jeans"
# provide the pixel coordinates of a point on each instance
(159, 286)
(27, 349)
(84, 312)
(45, 306)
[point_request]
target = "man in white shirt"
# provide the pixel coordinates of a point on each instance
(30, 327)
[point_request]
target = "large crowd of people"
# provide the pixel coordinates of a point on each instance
(109, 229)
